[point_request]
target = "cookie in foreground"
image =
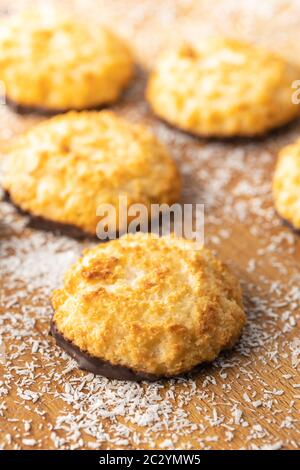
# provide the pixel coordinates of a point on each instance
(66, 168)
(286, 184)
(223, 88)
(144, 307)
(52, 64)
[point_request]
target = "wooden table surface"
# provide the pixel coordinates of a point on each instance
(248, 398)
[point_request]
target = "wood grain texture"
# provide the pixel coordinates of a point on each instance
(249, 398)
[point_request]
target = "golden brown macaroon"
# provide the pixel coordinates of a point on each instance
(147, 307)
(223, 88)
(66, 168)
(52, 64)
(286, 184)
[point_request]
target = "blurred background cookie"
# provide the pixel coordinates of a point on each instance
(223, 88)
(147, 307)
(65, 168)
(286, 184)
(53, 63)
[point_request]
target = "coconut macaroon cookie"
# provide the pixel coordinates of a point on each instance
(66, 168)
(144, 307)
(52, 64)
(223, 88)
(286, 184)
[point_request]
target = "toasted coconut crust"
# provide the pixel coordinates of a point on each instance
(223, 88)
(64, 169)
(54, 64)
(157, 306)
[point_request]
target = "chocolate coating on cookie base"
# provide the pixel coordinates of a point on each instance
(47, 112)
(58, 228)
(98, 366)
(288, 224)
(41, 223)
(234, 138)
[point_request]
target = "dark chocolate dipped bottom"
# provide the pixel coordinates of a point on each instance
(42, 111)
(98, 366)
(41, 223)
(242, 138)
(288, 224)
(58, 228)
